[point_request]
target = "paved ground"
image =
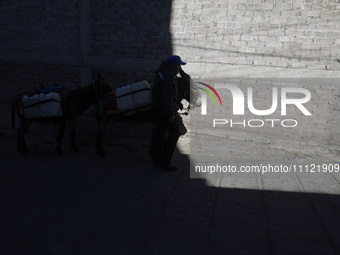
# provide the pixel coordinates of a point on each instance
(82, 204)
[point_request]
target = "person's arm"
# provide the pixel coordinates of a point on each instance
(167, 97)
(184, 75)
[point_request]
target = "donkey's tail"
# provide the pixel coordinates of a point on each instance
(13, 117)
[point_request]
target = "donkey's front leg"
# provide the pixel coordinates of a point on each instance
(60, 136)
(24, 125)
(107, 122)
(74, 147)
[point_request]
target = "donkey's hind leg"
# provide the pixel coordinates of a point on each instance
(74, 146)
(60, 136)
(21, 145)
(107, 122)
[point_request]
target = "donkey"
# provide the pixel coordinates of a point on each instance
(187, 89)
(73, 103)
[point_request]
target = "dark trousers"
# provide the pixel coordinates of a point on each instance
(164, 139)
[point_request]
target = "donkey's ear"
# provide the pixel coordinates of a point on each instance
(94, 77)
(99, 76)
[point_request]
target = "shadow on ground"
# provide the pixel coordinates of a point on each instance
(82, 204)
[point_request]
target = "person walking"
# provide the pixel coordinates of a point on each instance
(166, 125)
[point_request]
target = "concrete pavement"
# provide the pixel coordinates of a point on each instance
(82, 204)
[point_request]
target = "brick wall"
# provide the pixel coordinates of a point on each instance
(39, 26)
(47, 42)
(114, 36)
(322, 127)
(259, 33)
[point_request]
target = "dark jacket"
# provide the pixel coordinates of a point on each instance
(165, 94)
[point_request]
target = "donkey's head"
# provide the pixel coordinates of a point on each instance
(187, 89)
(100, 86)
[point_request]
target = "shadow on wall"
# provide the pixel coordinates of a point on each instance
(43, 43)
(47, 42)
(130, 37)
(139, 29)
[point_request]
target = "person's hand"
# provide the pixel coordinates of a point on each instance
(181, 71)
(183, 74)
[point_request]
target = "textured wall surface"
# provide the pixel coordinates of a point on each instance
(322, 126)
(83, 35)
(211, 36)
(47, 42)
(259, 33)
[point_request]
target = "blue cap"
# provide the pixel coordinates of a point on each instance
(175, 60)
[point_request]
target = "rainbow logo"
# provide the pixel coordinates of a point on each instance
(209, 93)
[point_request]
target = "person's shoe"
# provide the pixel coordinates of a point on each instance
(168, 167)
